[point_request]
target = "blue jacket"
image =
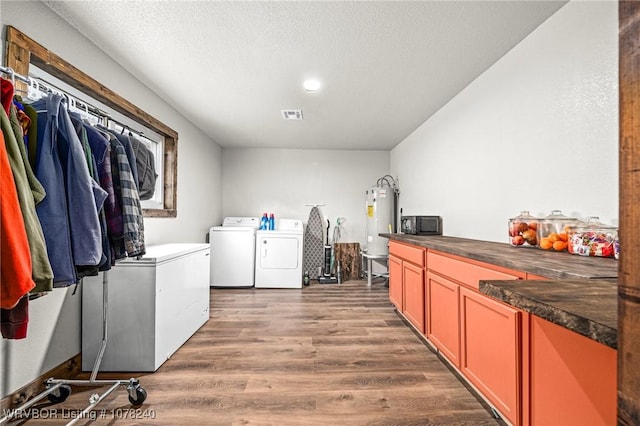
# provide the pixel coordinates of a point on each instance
(69, 213)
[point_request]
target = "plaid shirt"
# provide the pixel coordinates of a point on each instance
(101, 148)
(126, 190)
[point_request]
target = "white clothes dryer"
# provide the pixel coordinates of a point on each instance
(233, 252)
(279, 255)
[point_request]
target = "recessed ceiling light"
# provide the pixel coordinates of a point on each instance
(311, 85)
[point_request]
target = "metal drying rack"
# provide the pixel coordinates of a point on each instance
(58, 390)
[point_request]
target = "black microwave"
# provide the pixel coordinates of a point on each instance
(421, 225)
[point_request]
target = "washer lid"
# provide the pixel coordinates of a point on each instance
(251, 222)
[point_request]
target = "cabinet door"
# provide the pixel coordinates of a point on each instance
(413, 277)
(443, 320)
(395, 282)
(490, 350)
(573, 378)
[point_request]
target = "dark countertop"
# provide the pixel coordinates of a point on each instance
(580, 295)
(587, 307)
(553, 265)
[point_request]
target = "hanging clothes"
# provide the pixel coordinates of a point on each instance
(146, 165)
(30, 194)
(82, 130)
(69, 215)
(14, 322)
(6, 94)
(132, 243)
(23, 119)
(15, 265)
(90, 216)
(32, 135)
(24, 263)
(101, 148)
(99, 192)
(53, 210)
(125, 141)
(141, 162)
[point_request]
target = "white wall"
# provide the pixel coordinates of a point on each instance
(537, 131)
(54, 327)
(283, 181)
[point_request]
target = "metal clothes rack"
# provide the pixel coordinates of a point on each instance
(42, 87)
(58, 390)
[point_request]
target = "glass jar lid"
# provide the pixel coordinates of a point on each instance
(524, 216)
(593, 222)
(557, 215)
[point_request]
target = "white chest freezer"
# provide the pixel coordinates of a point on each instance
(154, 305)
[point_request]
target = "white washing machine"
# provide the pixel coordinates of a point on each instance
(233, 252)
(279, 255)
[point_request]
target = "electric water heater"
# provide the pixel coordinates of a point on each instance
(379, 211)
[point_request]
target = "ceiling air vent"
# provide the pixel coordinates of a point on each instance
(292, 114)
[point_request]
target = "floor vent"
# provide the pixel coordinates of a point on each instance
(292, 114)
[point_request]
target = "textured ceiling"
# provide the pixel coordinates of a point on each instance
(385, 67)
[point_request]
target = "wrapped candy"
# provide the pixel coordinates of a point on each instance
(592, 238)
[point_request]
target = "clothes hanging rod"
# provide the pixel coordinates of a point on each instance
(47, 87)
(50, 88)
(128, 128)
(14, 75)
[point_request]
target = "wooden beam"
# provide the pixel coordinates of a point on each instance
(629, 262)
(61, 69)
(19, 58)
(23, 51)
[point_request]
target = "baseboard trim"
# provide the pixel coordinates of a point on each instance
(67, 370)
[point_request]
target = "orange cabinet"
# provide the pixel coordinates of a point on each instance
(395, 282)
(480, 336)
(572, 379)
(490, 350)
(406, 281)
(532, 371)
(468, 272)
(413, 277)
(442, 306)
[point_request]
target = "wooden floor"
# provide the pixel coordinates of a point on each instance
(324, 355)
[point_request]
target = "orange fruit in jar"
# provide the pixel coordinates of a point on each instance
(563, 236)
(553, 237)
(546, 243)
(559, 245)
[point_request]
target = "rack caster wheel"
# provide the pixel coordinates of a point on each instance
(60, 394)
(139, 398)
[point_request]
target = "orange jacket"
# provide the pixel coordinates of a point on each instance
(15, 266)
